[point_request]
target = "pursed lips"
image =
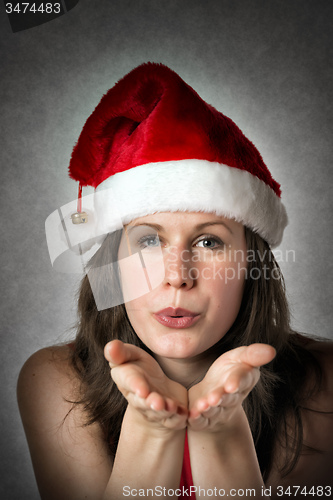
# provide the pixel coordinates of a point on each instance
(176, 317)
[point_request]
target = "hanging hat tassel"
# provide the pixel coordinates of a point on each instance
(79, 217)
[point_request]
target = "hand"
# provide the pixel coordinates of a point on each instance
(227, 383)
(141, 380)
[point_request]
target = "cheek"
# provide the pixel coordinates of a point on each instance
(229, 293)
(139, 275)
(137, 313)
(226, 295)
(134, 316)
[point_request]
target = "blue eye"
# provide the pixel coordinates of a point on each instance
(149, 241)
(210, 242)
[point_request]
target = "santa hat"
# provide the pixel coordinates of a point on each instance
(161, 148)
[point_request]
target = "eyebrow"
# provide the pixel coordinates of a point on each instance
(214, 223)
(198, 227)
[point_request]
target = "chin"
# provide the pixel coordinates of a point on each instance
(176, 347)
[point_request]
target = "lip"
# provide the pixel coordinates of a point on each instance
(176, 317)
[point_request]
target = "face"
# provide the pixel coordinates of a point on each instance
(196, 299)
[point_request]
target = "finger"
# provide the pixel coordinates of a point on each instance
(198, 422)
(137, 402)
(118, 353)
(241, 379)
(168, 418)
(129, 380)
(156, 401)
(164, 418)
(176, 421)
(221, 398)
(145, 407)
(258, 354)
(173, 406)
(254, 355)
(200, 405)
(211, 412)
(223, 404)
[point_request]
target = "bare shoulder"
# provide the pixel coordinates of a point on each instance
(322, 399)
(314, 465)
(70, 459)
(317, 414)
(323, 348)
(47, 377)
(51, 357)
(51, 362)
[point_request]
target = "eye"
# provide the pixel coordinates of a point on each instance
(149, 241)
(210, 242)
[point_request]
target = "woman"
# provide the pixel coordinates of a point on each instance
(211, 393)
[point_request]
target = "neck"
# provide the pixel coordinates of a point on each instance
(186, 372)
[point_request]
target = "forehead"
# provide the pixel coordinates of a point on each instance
(187, 219)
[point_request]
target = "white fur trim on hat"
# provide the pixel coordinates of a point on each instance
(197, 186)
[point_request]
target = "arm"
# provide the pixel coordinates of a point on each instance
(71, 460)
(226, 459)
(221, 447)
(151, 445)
(146, 458)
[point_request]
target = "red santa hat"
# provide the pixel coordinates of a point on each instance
(161, 148)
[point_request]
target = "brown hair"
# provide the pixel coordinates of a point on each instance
(263, 317)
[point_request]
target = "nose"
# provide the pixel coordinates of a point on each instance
(178, 269)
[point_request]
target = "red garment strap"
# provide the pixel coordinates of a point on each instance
(186, 480)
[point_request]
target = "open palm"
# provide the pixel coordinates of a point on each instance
(226, 384)
(145, 386)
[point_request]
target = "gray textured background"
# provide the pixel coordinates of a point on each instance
(265, 63)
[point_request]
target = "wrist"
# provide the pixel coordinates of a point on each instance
(221, 431)
(233, 450)
(149, 429)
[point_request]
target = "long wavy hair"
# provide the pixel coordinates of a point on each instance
(273, 407)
